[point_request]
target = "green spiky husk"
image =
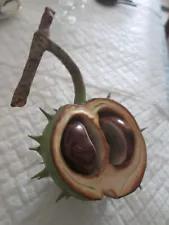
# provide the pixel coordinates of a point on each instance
(45, 151)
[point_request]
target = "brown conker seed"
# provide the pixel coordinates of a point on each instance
(78, 149)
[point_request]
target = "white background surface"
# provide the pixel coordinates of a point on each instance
(119, 50)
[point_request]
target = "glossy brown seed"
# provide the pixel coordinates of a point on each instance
(119, 137)
(78, 149)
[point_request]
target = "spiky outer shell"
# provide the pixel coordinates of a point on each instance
(47, 155)
(108, 180)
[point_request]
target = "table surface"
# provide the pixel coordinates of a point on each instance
(119, 49)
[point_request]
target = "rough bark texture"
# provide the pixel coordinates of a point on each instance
(40, 44)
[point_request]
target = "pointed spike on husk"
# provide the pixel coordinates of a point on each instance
(108, 96)
(140, 187)
(62, 195)
(36, 138)
(145, 128)
(35, 148)
(47, 115)
(42, 174)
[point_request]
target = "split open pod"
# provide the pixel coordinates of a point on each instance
(90, 148)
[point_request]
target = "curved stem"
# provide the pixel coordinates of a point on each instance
(40, 44)
(79, 87)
